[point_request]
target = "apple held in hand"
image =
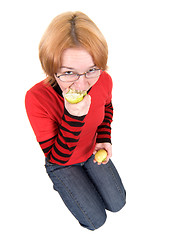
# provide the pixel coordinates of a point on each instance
(101, 155)
(75, 96)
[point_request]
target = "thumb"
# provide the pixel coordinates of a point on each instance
(94, 152)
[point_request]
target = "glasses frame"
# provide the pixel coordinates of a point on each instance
(78, 76)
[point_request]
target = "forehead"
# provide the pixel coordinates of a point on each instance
(76, 58)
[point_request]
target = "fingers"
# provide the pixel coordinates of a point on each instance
(108, 156)
(107, 147)
(104, 162)
(78, 109)
(109, 151)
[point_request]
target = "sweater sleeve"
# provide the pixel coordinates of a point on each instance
(57, 140)
(60, 147)
(104, 130)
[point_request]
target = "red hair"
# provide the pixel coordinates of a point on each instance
(67, 30)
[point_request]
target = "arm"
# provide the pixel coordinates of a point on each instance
(58, 140)
(104, 133)
(61, 147)
(104, 130)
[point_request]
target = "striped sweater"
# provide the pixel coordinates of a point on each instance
(66, 139)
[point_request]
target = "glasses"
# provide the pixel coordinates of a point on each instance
(72, 77)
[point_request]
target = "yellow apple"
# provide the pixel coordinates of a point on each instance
(101, 155)
(75, 96)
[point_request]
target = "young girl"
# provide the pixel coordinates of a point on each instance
(73, 54)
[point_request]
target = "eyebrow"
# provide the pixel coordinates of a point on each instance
(74, 68)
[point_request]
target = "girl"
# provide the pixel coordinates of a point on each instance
(73, 54)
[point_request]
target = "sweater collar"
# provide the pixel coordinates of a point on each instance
(58, 90)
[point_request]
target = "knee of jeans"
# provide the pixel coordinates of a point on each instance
(117, 204)
(116, 207)
(96, 223)
(100, 221)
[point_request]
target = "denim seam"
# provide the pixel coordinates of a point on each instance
(77, 203)
(123, 199)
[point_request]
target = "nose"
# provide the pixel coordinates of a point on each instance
(81, 83)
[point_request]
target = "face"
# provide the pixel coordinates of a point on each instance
(76, 60)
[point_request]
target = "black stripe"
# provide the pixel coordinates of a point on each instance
(108, 117)
(106, 121)
(73, 124)
(67, 130)
(45, 150)
(79, 118)
(102, 133)
(104, 126)
(57, 160)
(109, 112)
(64, 145)
(68, 139)
(47, 140)
(61, 154)
(103, 140)
(108, 105)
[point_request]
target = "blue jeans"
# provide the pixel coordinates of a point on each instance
(88, 189)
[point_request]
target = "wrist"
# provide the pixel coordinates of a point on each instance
(80, 118)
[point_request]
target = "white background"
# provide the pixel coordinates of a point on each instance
(143, 62)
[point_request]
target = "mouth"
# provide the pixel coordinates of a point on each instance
(79, 91)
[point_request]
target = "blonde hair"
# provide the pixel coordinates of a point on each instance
(67, 30)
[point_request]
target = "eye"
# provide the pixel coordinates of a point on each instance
(92, 70)
(69, 73)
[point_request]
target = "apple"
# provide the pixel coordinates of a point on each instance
(75, 96)
(101, 156)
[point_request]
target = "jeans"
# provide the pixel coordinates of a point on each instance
(88, 189)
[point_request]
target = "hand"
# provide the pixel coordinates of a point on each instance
(78, 109)
(107, 147)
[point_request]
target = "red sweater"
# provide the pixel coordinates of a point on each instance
(66, 139)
